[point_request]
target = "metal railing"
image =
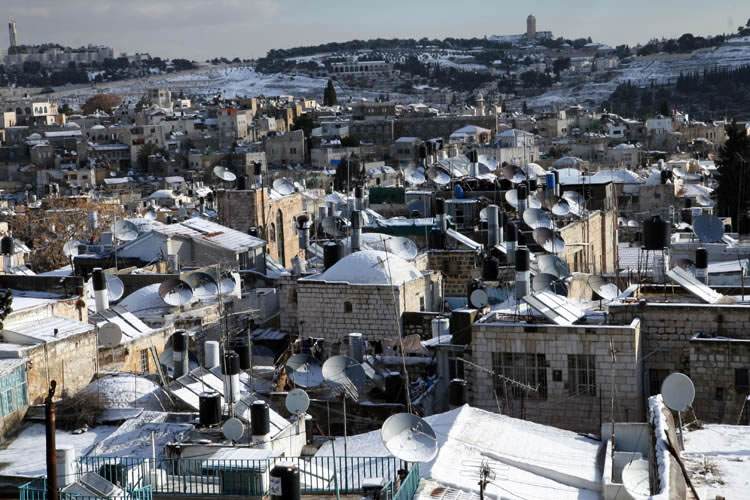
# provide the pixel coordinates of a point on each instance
(37, 490)
(198, 476)
(409, 485)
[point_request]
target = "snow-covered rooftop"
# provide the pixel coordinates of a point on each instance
(370, 267)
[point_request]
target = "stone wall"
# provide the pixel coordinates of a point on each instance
(458, 268)
(127, 357)
(561, 406)
(591, 243)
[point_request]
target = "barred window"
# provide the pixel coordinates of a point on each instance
(144, 360)
(13, 391)
(582, 374)
(528, 369)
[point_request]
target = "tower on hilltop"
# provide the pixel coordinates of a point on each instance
(531, 27)
(12, 34)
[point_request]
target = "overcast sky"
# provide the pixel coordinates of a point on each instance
(200, 29)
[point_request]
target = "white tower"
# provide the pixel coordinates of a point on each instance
(12, 33)
(531, 27)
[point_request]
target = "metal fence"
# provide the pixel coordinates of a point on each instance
(409, 485)
(197, 476)
(37, 490)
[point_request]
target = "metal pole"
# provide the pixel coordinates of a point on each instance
(335, 469)
(50, 409)
(345, 443)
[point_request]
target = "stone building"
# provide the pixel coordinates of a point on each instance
(570, 369)
(286, 149)
(271, 216)
(367, 292)
(592, 243)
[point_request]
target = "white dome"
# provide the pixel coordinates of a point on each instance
(98, 127)
(126, 391)
(163, 194)
(371, 267)
(72, 125)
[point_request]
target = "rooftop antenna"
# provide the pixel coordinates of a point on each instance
(678, 393)
(122, 230)
(348, 375)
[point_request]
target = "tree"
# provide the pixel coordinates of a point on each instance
(664, 108)
(350, 141)
(734, 174)
(147, 150)
(560, 64)
(304, 123)
(101, 102)
(329, 95)
(6, 304)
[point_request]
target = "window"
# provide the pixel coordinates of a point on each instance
(719, 394)
(348, 307)
(528, 369)
(655, 378)
(13, 391)
(742, 380)
(582, 374)
(144, 360)
(459, 216)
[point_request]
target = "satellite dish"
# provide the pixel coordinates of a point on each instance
(678, 392)
(175, 292)
(233, 429)
(70, 249)
(511, 196)
(552, 264)
(483, 215)
(115, 287)
(224, 174)
(633, 223)
(414, 176)
(409, 438)
(576, 202)
(283, 186)
(513, 174)
(549, 240)
(110, 335)
(345, 372)
(438, 175)
(544, 282)
(561, 208)
(708, 228)
(124, 230)
(478, 298)
(304, 370)
(635, 479)
(605, 290)
(536, 218)
(227, 282)
(202, 283)
(297, 402)
(704, 201)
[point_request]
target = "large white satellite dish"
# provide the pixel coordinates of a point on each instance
(409, 438)
(438, 175)
(304, 370)
(297, 402)
(124, 230)
(635, 479)
(70, 249)
(283, 186)
(346, 373)
(678, 392)
(233, 429)
(203, 284)
(414, 176)
(175, 292)
(110, 335)
(224, 174)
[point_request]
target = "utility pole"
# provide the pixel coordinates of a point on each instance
(50, 409)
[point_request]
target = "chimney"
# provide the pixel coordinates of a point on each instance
(180, 358)
(260, 423)
(701, 265)
(493, 226)
(522, 272)
(101, 297)
(356, 347)
(231, 378)
(211, 354)
(356, 237)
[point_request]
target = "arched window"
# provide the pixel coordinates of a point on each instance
(272, 233)
(348, 307)
(280, 236)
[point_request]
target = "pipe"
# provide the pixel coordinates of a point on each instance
(356, 237)
(358, 198)
(522, 272)
(101, 297)
(50, 413)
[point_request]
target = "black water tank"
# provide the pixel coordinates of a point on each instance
(231, 364)
(655, 233)
(98, 279)
(260, 420)
(241, 183)
(180, 341)
(243, 350)
(6, 245)
(472, 156)
(439, 206)
(701, 258)
(284, 482)
(257, 166)
(332, 253)
(533, 184)
(437, 239)
(457, 392)
(522, 259)
(422, 151)
(522, 192)
(511, 232)
(358, 192)
(489, 269)
(209, 405)
(393, 387)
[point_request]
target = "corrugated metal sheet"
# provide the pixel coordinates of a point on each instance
(205, 230)
(43, 329)
(692, 285)
(555, 308)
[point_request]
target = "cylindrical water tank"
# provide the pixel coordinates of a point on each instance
(260, 420)
(522, 259)
(209, 408)
(523, 278)
(66, 465)
(655, 233)
(493, 226)
(550, 182)
(356, 347)
(101, 298)
(490, 268)
(701, 258)
(180, 353)
(241, 183)
(440, 327)
(457, 392)
(533, 184)
(332, 253)
(284, 482)
(231, 377)
(211, 355)
(243, 349)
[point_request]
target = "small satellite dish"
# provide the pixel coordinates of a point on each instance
(511, 196)
(110, 335)
(633, 224)
(283, 186)
(414, 176)
(175, 292)
(536, 218)
(478, 298)
(233, 429)
(708, 228)
(227, 282)
(561, 208)
(544, 282)
(576, 202)
(552, 264)
(304, 370)
(438, 175)
(602, 288)
(547, 239)
(635, 478)
(70, 249)
(345, 372)
(409, 438)
(124, 230)
(115, 287)
(483, 215)
(678, 392)
(297, 402)
(224, 174)
(202, 283)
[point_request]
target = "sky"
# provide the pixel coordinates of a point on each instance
(201, 29)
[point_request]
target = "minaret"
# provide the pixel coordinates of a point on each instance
(479, 105)
(531, 27)
(12, 33)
